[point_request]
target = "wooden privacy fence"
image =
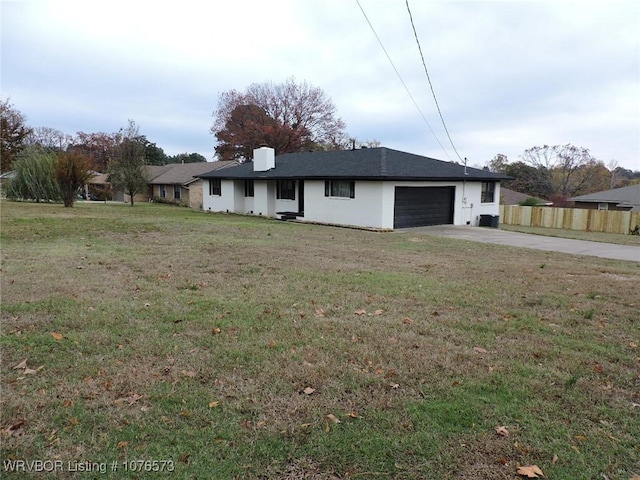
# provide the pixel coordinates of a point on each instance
(609, 221)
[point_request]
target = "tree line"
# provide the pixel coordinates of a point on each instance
(291, 117)
(559, 172)
(50, 165)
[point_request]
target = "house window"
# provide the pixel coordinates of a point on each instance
(488, 191)
(163, 191)
(603, 206)
(248, 188)
(286, 189)
(340, 188)
(215, 186)
(177, 192)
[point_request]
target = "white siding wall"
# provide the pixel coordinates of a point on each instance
(365, 210)
(484, 208)
(219, 203)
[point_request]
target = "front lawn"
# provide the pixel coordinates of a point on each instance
(158, 342)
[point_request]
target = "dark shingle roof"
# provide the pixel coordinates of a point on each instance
(627, 196)
(364, 164)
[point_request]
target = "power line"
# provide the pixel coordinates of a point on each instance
(402, 80)
(424, 64)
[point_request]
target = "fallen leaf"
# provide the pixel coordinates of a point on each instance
(378, 312)
(303, 314)
(22, 364)
(216, 330)
(580, 438)
(15, 430)
(184, 458)
(407, 321)
(67, 403)
(530, 471)
(189, 373)
(213, 404)
(353, 415)
(502, 431)
(19, 424)
(320, 312)
(332, 418)
(122, 444)
(394, 386)
(598, 368)
(360, 312)
(57, 336)
(308, 390)
(435, 314)
(555, 460)
(480, 350)
(134, 398)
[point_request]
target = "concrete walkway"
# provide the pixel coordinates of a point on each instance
(525, 240)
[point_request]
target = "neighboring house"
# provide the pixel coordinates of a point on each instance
(152, 172)
(97, 187)
(511, 197)
(625, 198)
(377, 188)
(177, 183)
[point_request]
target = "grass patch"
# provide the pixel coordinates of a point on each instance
(239, 347)
(617, 238)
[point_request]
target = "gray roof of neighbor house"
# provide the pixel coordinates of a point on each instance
(184, 173)
(364, 164)
(511, 197)
(625, 196)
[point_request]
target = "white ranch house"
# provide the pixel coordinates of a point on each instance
(377, 188)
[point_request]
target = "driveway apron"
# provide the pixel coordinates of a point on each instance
(525, 240)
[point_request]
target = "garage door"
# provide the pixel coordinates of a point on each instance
(421, 206)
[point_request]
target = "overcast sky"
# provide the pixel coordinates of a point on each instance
(508, 75)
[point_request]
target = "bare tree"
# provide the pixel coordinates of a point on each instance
(498, 163)
(570, 170)
(49, 139)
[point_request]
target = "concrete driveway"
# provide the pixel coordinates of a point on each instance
(525, 240)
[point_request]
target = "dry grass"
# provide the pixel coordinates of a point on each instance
(193, 337)
(616, 238)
